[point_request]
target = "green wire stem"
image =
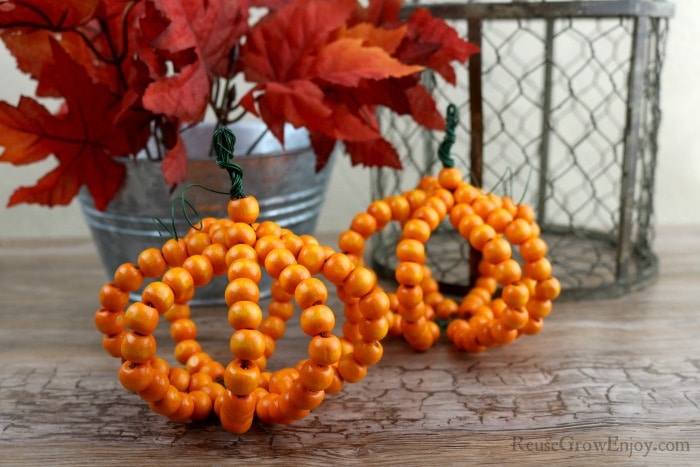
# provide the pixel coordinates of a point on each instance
(449, 139)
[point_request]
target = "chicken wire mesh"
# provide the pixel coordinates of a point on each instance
(559, 110)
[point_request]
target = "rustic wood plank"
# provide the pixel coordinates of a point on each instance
(601, 380)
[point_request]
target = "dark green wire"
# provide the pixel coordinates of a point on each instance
(449, 139)
(224, 142)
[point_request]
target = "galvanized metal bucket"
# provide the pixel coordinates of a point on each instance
(284, 181)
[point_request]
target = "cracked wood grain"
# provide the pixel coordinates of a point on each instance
(624, 370)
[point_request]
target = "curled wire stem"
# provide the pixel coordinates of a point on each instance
(224, 142)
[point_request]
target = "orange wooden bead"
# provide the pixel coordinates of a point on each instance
(245, 314)
(374, 305)
(169, 403)
(266, 244)
(374, 329)
(351, 370)
(241, 289)
(135, 377)
(157, 388)
(499, 219)
(161, 364)
(283, 310)
(533, 326)
(268, 228)
(496, 250)
(547, 289)
(514, 318)
(316, 377)
(159, 295)
(278, 259)
(507, 271)
(113, 344)
(113, 298)
(198, 380)
(240, 234)
(151, 262)
(241, 377)
(400, 208)
(183, 329)
(480, 235)
(200, 268)
(467, 223)
(309, 292)
(352, 242)
(410, 250)
(180, 378)
(450, 178)
(518, 231)
(539, 308)
(244, 210)
(458, 212)
(213, 369)
(539, 269)
(184, 410)
(196, 361)
(273, 326)
(196, 242)
(415, 198)
(325, 350)
(312, 257)
(185, 349)
(428, 214)
(138, 348)
(177, 311)
(292, 242)
(465, 193)
(174, 252)
(244, 267)
(409, 273)
(502, 334)
(317, 320)
(247, 344)
(412, 314)
(365, 224)
(337, 268)
(181, 283)
(109, 322)
(203, 405)
(381, 211)
(141, 318)
(515, 295)
(359, 282)
(533, 249)
(416, 229)
(305, 398)
(292, 276)
(368, 353)
(128, 277)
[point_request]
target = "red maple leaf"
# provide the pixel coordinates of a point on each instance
(432, 42)
(93, 127)
(40, 13)
(199, 41)
(313, 78)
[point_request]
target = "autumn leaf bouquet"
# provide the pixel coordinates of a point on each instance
(128, 72)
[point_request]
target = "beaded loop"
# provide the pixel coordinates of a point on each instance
(241, 247)
(493, 226)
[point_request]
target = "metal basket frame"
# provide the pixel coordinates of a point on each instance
(592, 261)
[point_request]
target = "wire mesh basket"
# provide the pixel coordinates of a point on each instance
(559, 110)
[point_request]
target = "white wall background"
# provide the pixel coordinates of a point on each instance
(677, 197)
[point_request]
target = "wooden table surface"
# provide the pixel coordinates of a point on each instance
(615, 381)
